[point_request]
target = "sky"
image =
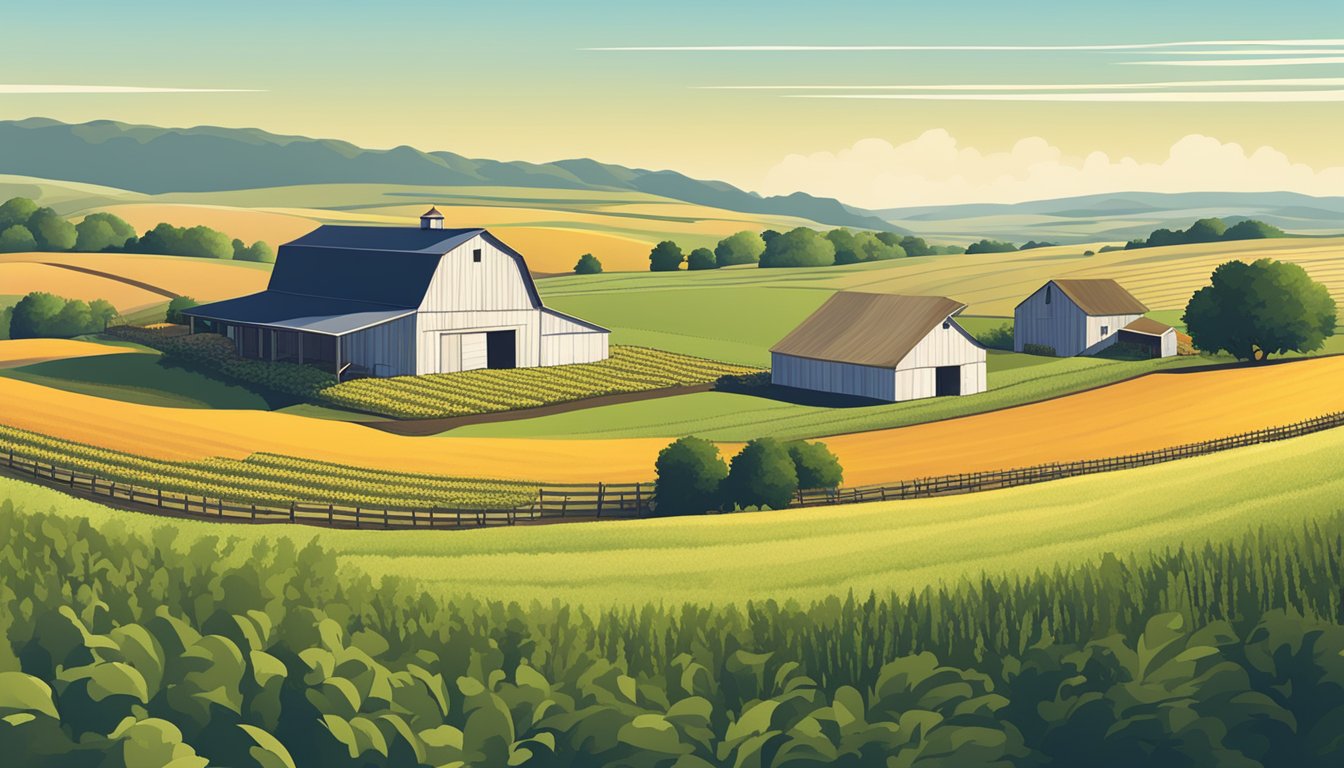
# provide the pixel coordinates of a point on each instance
(879, 104)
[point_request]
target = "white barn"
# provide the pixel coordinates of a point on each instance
(399, 301)
(1083, 317)
(881, 346)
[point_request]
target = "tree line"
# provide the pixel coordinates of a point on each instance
(25, 226)
(42, 315)
(799, 247)
(692, 478)
(1210, 230)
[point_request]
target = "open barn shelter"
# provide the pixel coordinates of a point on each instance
(882, 347)
(399, 301)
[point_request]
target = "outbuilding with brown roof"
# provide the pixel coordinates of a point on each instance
(1069, 317)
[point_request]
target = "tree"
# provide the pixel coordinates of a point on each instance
(1250, 229)
(1027, 246)
(588, 264)
(768, 234)
(17, 238)
(1264, 308)
(816, 466)
(665, 257)
(51, 231)
(914, 246)
(701, 258)
(73, 319)
(201, 242)
(101, 231)
(990, 246)
(762, 474)
(744, 247)
(175, 307)
(801, 247)
(34, 316)
(688, 473)
(16, 210)
(874, 248)
(258, 252)
(1205, 231)
(102, 314)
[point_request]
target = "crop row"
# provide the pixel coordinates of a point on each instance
(629, 369)
(271, 479)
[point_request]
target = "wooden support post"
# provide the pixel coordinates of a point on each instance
(601, 488)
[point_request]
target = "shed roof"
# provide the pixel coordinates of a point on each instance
(1148, 326)
(296, 312)
(872, 329)
(1101, 297)
(432, 213)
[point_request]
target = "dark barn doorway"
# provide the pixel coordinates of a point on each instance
(501, 349)
(947, 381)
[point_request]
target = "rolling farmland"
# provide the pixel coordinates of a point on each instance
(15, 353)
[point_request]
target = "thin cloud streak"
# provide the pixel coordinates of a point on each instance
(1150, 97)
(862, 48)
(1299, 81)
(24, 88)
(1240, 62)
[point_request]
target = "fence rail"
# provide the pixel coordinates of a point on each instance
(602, 500)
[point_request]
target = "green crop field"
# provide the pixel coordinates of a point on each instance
(137, 378)
(805, 555)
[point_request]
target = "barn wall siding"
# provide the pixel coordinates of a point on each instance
(1063, 325)
(385, 350)
(432, 325)
(833, 377)
(569, 348)
(943, 346)
(1169, 343)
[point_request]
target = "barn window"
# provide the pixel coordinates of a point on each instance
(947, 324)
(1105, 330)
(476, 255)
(1049, 294)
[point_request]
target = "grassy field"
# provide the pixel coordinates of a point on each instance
(137, 378)
(809, 554)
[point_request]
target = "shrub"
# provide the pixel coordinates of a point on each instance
(701, 258)
(17, 238)
(742, 248)
(175, 307)
(689, 473)
(815, 465)
(665, 257)
(762, 474)
(997, 338)
(201, 242)
(1264, 308)
(1089, 253)
(588, 264)
(16, 210)
(51, 231)
(990, 246)
(41, 315)
(1039, 349)
(801, 247)
(258, 252)
(102, 231)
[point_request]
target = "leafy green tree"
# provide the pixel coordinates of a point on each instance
(801, 247)
(102, 231)
(997, 338)
(815, 465)
(258, 252)
(688, 474)
(34, 316)
(1030, 244)
(102, 314)
(201, 242)
(1250, 229)
(51, 230)
(915, 246)
(17, 238)
(665, 257)
(990, 246)
(762, 474)
(6, 315)
(1205, 231)
(767, 235)
(701, 258)
(16, 210)
(73, 319)
(588, 264)
(1264, 308)
(875, 248)
(744, 247)
(847, 250)
(175, 307)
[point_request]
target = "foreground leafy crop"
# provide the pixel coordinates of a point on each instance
(269, 479)
(167, 649)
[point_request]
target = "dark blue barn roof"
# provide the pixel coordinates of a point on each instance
(369, 270)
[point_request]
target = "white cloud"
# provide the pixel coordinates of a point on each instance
(25, 88)
(935, 169)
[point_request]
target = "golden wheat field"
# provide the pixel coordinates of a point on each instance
(17, 352)
(1156, 411)
(202, 279)
(243, 223)
(20, 277)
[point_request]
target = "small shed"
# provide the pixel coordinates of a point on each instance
(883, 347)
(1082, 317)
(1158, 338)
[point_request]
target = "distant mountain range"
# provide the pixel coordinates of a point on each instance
(156, 160)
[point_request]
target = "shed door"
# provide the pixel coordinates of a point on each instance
(948, 381)
(450, 352)
(473, 351)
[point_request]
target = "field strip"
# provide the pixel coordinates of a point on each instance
(15, 353)
(110, 276)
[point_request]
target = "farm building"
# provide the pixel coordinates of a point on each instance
(396, 301)
(883, 347)
(1083, 317)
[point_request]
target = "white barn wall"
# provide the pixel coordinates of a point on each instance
(1169, 343)
(386, 349)
(833, 377)
(949, 345)
(565, 341)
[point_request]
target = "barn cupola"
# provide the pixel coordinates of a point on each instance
(431, 219)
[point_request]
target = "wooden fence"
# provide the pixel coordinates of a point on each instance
(596, 502)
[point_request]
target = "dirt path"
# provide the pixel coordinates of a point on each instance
(1156, 411)
(110, 276)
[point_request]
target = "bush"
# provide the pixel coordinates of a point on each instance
(201, 242)
(742, 248)
(588, 264)
(16, 210)
(801, 247)
(175, 307)
(16, 238)
(51, 231)
(41, 315)
(688, 474)
(1039, 349)
(1089, 253)
(762, 475)
(665, 257)
(1264, 308)
(815, 465)
(990, 246)
(258, 252)
(997, 338)
(101, 232)
(701, 258)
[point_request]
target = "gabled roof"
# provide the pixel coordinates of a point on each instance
(1148, 327)
(1101, 297)
(295, 312)
(432, 213)
(867, 328)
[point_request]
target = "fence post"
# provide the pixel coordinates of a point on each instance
(601, 490)
(385, 525)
